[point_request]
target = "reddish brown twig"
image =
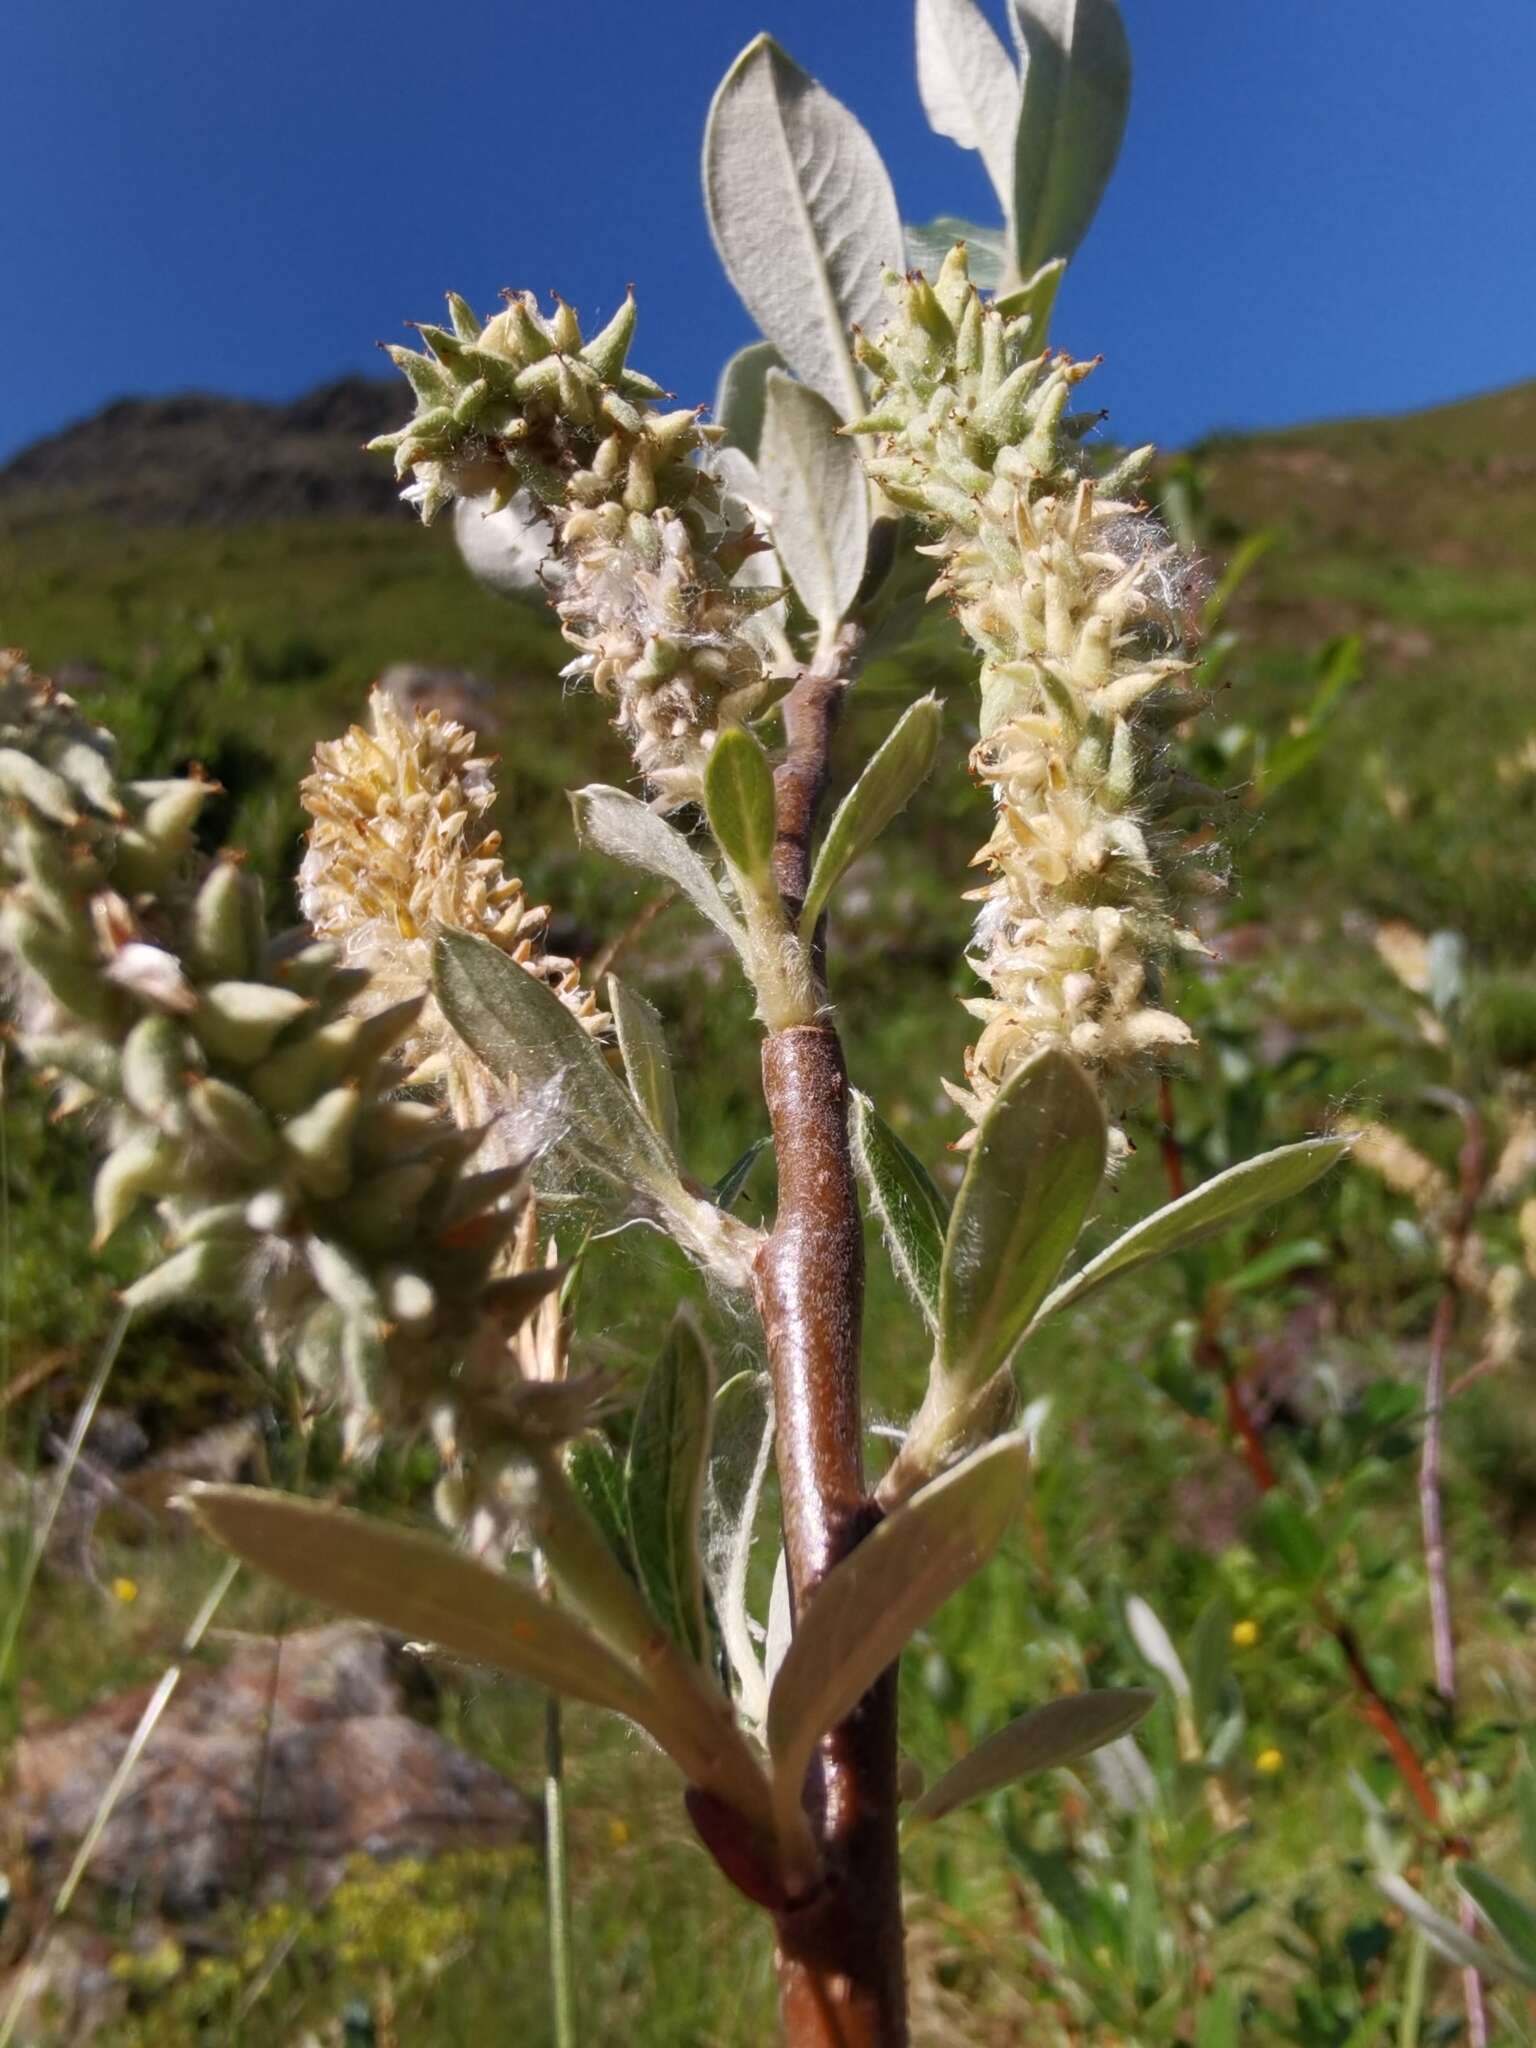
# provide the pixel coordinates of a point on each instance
(840, 1951)
(1212, 1353)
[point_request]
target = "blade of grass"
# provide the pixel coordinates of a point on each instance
(127, 1763)
(83, 1419)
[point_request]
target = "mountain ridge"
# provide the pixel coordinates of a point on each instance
(201, 458)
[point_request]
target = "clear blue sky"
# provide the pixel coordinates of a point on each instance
(1323, 206)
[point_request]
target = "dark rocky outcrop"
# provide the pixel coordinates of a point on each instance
(195, 459)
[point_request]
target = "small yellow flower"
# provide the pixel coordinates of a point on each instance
(1269, 1761)
(126, 1590)
(1244, 1635)
(618, 1833)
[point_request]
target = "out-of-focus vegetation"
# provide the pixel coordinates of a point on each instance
(1377, 730)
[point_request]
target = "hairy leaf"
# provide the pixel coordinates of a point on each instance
(890, 776)
(647, 1063)
(1228, 1198)
(1055, 1734)
(742, 393)
(814, 482)
(664, 1482)
(596, 1474)
(420, 1586)
(613, 822)
(738, 798)
(912, 1212)
(1077, 88)
(526, 1036)
(803, 215)
(869, 1606)
(1037, 1164)
(970, 85)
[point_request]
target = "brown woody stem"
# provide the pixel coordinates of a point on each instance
(840, 1949)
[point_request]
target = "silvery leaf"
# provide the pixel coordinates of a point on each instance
(969, 85)
(1058, 1733)
(867, 1609)
(420, 1586)
(911, 1210)
(1156, 1645)
(527, 1038)
(803, 215)
(886, 784)
(1227, 1198)
(1077, 88)
(738, 1468)
(620, 825)
(647, 1063)
(664, 1482)
(814, 482)
(1450, 1940)
(741, 392)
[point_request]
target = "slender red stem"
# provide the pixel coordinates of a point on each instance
(1246, 1427)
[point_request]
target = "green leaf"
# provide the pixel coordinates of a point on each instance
(1272, 1264)
(1525, 1807)
(1511, 1917)
(664, 1482)
(1077, 88)
(969, 85)
(912, 1212)
(647, 1064)
(612, 821)
(1295, 1540)
(1057, 1733)
(1220, 2019)
(738, 798)
(890, 777)
(596, 1474)
(869, 1606)
(1229, 1198)
(736, 1176)
(813, 479)
(419, 1586)
(803, 216)
(1209, 1659)
(1451, 1941)
(1036, 1165)
(986, 249)
(742, 393)
(526, 1036)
